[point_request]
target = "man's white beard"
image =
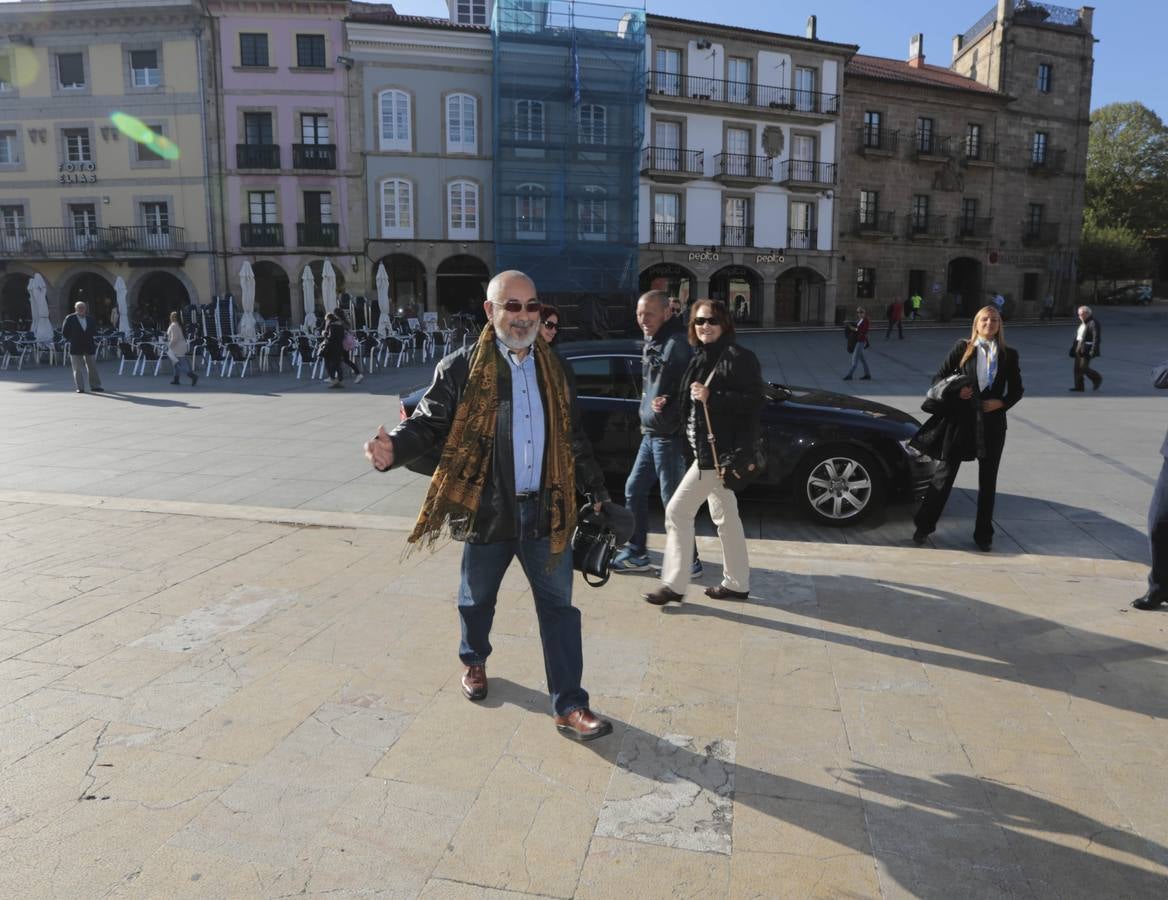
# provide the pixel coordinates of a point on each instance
(514, 343)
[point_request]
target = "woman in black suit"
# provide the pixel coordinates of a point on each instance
(975, 425)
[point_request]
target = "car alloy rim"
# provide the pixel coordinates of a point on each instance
(839, 487)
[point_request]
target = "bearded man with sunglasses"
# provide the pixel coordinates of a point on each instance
(513, 455)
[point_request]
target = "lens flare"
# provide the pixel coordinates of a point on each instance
(137, 130)
(24, 65)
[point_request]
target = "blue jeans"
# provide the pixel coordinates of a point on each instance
(858, 358)
(483, 567)
(660, 460)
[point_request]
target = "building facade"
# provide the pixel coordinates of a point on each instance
(103, 168)
(287, 194)
(740, 168)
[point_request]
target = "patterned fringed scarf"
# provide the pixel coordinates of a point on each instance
(457, 484)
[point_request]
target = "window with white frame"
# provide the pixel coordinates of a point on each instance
(144, 69)
(5, 72)
(261, 207)
(529, 120)
(314, 128)
(462, 124)
(394, 113)
(83, 217)
(592, 126)
(156, 219)
(471, 12)
(530, 212)
(397, 208)
(11, 227)
(77, 146)
(70, 71)
(9, 147)
(592, 214)
(462, 210)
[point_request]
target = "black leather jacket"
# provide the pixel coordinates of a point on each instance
(736, 399)
(426, 431)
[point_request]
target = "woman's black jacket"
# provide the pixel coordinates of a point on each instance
(736, 399)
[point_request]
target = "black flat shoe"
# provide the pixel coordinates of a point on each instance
(1146, 603)
(919, 537)
(662, 596)
(984, 546)
(721, 592)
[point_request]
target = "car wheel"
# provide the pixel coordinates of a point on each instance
(840, 486)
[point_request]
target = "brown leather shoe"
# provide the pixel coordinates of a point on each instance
(474, 682)
(662, 595)
(581, 725)
(721, 592)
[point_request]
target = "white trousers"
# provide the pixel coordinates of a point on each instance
(697, 487)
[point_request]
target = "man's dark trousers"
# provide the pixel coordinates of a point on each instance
(1083, 367)
(1158, 538)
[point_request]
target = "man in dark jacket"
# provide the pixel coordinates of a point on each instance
(503, 412)
(80, 330)
(1157, 593)
(1085, 347)
(661, 456)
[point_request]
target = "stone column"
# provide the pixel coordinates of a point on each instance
(770, 293)
(430, 301)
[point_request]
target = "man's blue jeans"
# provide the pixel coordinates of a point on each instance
(483, 567)
(661, 460)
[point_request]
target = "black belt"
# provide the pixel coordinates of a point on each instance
(527, 495)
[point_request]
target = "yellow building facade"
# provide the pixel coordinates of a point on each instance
(103, 159)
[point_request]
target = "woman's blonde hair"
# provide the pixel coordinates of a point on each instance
(971, 344)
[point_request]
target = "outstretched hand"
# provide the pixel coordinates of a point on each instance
(379, 451)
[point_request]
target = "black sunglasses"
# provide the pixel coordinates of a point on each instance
(548, 323)
(514, 306)
(703, 320)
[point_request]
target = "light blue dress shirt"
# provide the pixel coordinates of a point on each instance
(528, 428)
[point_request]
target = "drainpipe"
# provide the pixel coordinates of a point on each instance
(218, 93)
(209, 209)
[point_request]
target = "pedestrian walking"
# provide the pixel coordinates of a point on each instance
(333, 341)
(859, 332)
(661, 456)
(549, 324)
(999, 302)
(974, 422)
(724, 382)
(1085, 347)
(513, 457)
(895, 313)
(1157, 593)
(349, 343)
(914, 303)
(1048, 307)
(177, 349)
(80, 332)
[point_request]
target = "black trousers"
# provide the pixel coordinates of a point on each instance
(937, 495)
(898, 324)
(1083, 367)
(1158, 538)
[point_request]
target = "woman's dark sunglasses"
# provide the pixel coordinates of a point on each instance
(702, 320)
(554, 326)
(514, 306)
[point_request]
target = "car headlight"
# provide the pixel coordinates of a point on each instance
(912, 452)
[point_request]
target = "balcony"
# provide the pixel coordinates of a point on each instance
(1040, 234)
(872, 222)
(974, 153)
(807, 173)
(802, 239)
(311, 156)
(113, 241)
(672, 164)
(1047, 162)
(974, 228)
(257, 156)
(665, 86)
(929, 146)
(926, 228)
(878, 142)
(668, 233)
(737, 236)
(318, 234)
(742, 169)
(261, 234)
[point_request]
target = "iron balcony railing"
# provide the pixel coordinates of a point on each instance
(743, 93)
(873, 137)
(257, 156)
(737, 236)
(974, 226)
(668, 232)
(739, 165)
(926, 226)
(314, 156)
(802, 239)
(265, 234)
(1040, 234)
(672, 159)
(108, 240)
(929, 144)
(1049, 161)
(979, 151)
(318, 234)
(872, 220)
(802, 171)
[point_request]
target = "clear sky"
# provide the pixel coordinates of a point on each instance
(1130, 61)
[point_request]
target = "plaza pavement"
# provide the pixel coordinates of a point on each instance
(221, 677)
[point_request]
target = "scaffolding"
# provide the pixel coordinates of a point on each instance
(569, 95)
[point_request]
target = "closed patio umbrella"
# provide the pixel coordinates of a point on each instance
(42, 328)
(308, 284)
(123, 309)
(383, 326)
(247, 323)
(328, 287)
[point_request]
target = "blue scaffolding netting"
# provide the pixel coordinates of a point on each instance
(569, 95)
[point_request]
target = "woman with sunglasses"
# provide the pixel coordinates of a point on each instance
(549, 323)
(723, 381)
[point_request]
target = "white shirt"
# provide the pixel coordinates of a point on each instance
(1081, 334)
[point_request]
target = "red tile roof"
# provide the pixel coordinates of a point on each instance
(885, 69)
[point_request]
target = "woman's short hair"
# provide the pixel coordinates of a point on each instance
(720, 314)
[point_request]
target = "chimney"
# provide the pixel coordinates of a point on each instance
(811, 28)
(1005, 8)
(1087, 17)
(916, 51)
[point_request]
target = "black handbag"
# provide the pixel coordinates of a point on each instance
(593, 546)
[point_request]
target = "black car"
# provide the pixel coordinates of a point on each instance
(1139, 294)
(837, 456)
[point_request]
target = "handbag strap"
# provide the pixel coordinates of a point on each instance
(709, 426)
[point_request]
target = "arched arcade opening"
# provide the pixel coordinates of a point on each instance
(675, 280)
(407, 284)
(740, 288)
(159, 294)
(15, 309)
(273, 293)
(97, 293)
(462, 285)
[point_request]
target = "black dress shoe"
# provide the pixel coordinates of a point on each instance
(1145, 602)
(98, 390)
(662, 596)
(984, 546)
(1096, 384)
(721, 592)
(919, 537)
(79, 391)
(1076, 390)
